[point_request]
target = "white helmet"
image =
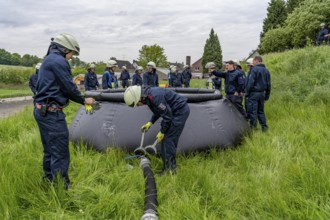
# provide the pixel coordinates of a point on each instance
(92, 65)
(210, 65)
(152, 64)
(173, 69)
(132, 95)
(249, 62)
(139, 68)
(69, 42)
(38, 66)
(111, 63)
(186, 66)
(322, 25)
(124, 67)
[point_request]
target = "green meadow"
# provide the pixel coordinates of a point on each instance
(281, 174)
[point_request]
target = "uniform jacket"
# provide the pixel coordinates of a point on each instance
(234, 81)
(137, 79)
(150, 79)
(55, 82)
(33, 82)
(90, 80)
(163, 103)
(124, 75)
(259, 81)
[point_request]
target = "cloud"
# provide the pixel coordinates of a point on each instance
(120, 28)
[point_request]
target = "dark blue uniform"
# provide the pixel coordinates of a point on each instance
(91, 81)
(124, 77)
(33, 82)
(107, 79)
(217, 83)
(150, 79)
(258, 89)
(321, 36)
(174, 110)
(137, 79)
(186, 74)
(234, 82)
(55, 87)
(176, 80)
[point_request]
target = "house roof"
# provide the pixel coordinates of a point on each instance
(197, 61)
(126, 63)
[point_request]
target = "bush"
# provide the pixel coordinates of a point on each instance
(15, 75)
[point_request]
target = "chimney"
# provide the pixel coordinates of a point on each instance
(188, 60)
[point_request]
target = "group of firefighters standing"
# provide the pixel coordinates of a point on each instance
(149, 78)
(254, 87)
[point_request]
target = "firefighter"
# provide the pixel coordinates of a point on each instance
(124, 77)
(137, 78)
(234, 84)
(173, 109)
(33, 79)
(109, 75)
(150, 78)
(258, 89)
(186, 74)
(55, 88)
(90, 80)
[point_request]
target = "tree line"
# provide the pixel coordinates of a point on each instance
(15, 59)
(292, 24)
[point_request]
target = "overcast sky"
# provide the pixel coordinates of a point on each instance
(119, 28)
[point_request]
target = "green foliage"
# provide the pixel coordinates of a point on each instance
(212, 51)
(153, 53)
(300, 28)
(292, 5)
(275, 40)
(304, 22)
(276, 15)
(15, 75)
(281, 174)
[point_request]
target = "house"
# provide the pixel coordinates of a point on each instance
(197, 69)
(129, 66)
(252, 54)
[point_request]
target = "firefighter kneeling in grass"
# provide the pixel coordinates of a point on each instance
(174, 110)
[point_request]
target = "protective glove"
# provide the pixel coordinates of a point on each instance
(146, 127)
(89, 109)
(160, 136)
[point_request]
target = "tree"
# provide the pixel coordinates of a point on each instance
(113, 58)
(276, 15)
(212, 51)
(153, 53)
(305, 22)
(300, 28)
(275, 40)
(292, 4)
(15, 59)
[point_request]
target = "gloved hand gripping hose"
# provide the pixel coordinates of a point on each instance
(90, 109)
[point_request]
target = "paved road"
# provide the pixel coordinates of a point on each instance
(11, 106)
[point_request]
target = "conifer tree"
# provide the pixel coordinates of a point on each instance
(212, 51)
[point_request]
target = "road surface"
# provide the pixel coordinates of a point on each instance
(10, 106)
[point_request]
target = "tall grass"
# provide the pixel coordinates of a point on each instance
(281, 174)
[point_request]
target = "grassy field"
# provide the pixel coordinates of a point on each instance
(7, 93)
(281, 174)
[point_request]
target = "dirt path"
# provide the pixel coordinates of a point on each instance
(11, 106)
